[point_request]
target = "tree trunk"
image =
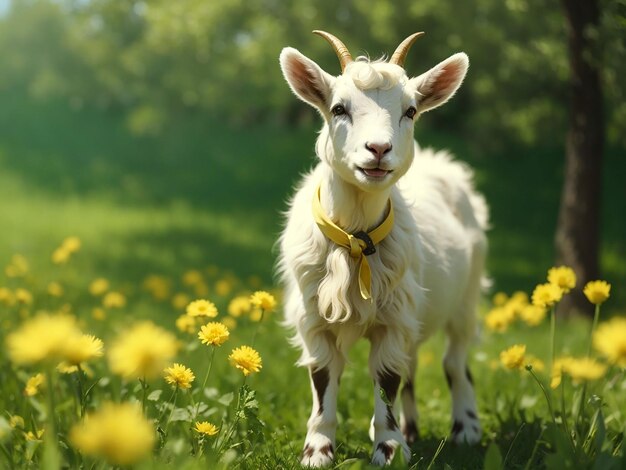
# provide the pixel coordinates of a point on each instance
(577, 234)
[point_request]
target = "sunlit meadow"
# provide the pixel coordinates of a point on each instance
(87, 384)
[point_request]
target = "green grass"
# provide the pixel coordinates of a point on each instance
(202, 196)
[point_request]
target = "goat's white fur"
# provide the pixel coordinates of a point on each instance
(426, 274)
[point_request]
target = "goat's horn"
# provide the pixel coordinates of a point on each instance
(340, 49)
(400, 54)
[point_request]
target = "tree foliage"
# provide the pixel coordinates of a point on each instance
(157, 58)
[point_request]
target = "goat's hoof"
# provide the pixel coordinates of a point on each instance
(466, 429)
(317, 456)
(384, 452)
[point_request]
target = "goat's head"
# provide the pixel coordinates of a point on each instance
(369, 110)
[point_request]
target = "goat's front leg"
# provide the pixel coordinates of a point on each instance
(319, 446)
(385, 366)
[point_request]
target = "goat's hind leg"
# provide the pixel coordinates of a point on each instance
(409, 415)
(465, 424)
(319, 445)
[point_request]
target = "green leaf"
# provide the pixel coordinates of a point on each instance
(180, 414)
(155, 395)
(493, 458)
(226, 399)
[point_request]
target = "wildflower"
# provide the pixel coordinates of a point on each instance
(214, 334)
(71, 244)
(180, 300)
(558, 366)
(55, 289)
(179, 376)
(610, 340)
(206, 428)
(202, 308)
(536, 363)
(584, 369)
(44, 337)
(98, 286)
(158, 286)
(533, 315)
(499, 319)
(597, 291)
(562, 277)
(513, 358)
(60, 256)
(83, 348)
(223, 287)
(230, 323)
(142, 351)
(34, 436)
(98, 313)
(16, 421)
(118, 432)
(33, 384)
(246, 359)
(6, 297)
(18, 267)
(239, 306)
(23, 297)
(114, 300)
(192, 277)
(546, 295)
(256, 315)
(263, 300)
(186, 324)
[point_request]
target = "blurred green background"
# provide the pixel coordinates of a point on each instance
(163, 135)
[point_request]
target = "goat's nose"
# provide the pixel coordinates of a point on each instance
(379, 150)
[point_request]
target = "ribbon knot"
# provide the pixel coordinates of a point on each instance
(360, 244)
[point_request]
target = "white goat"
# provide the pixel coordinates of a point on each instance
(426, 272)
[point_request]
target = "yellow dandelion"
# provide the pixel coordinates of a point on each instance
(83, 348)
(230, 323)
(202, 308)
(55, 289)
(537, 364)
(6, 297)
(610, 340)
(180, 300)
(263, 300)
(158, 286)
(206, 428)
(499, 299)
(192, 277)
(114, 300)
(246, 359)
(34, 436)
(23, 297)
(99, 287)
(563, 277)
(61, 256)
(584, 369)
(179, 376)
(546, 295)
(223, 287)
(256, 314)
(117, 432)
(43, 337)
(98, 313)
(513, 357)
(34, 384)
(597, 292)
(71, 244)
(239, 306)
(533, 315)
(499, 319)
(560, 363)
(213, 333)
(18, 267)
(142, 351)
(16, 421)
(186, 324)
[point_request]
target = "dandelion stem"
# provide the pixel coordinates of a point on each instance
(144, 395)
(81, 395)
(596, 318)
(167, 423)
(545, 393)
(536, 446)
(552, 335)
(256, 330)
(583, 396)
(168, 401)
(206, 379)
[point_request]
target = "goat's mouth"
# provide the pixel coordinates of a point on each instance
(375, 173)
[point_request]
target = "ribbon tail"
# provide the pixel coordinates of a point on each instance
(365, 279)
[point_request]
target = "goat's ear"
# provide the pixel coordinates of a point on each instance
(307, 79)
(439, 84)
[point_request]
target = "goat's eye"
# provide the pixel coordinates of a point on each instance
(411, 112)
(338, 110)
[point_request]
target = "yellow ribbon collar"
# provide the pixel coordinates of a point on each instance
(360, 244)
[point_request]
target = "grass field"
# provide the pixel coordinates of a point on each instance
(207, 199)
